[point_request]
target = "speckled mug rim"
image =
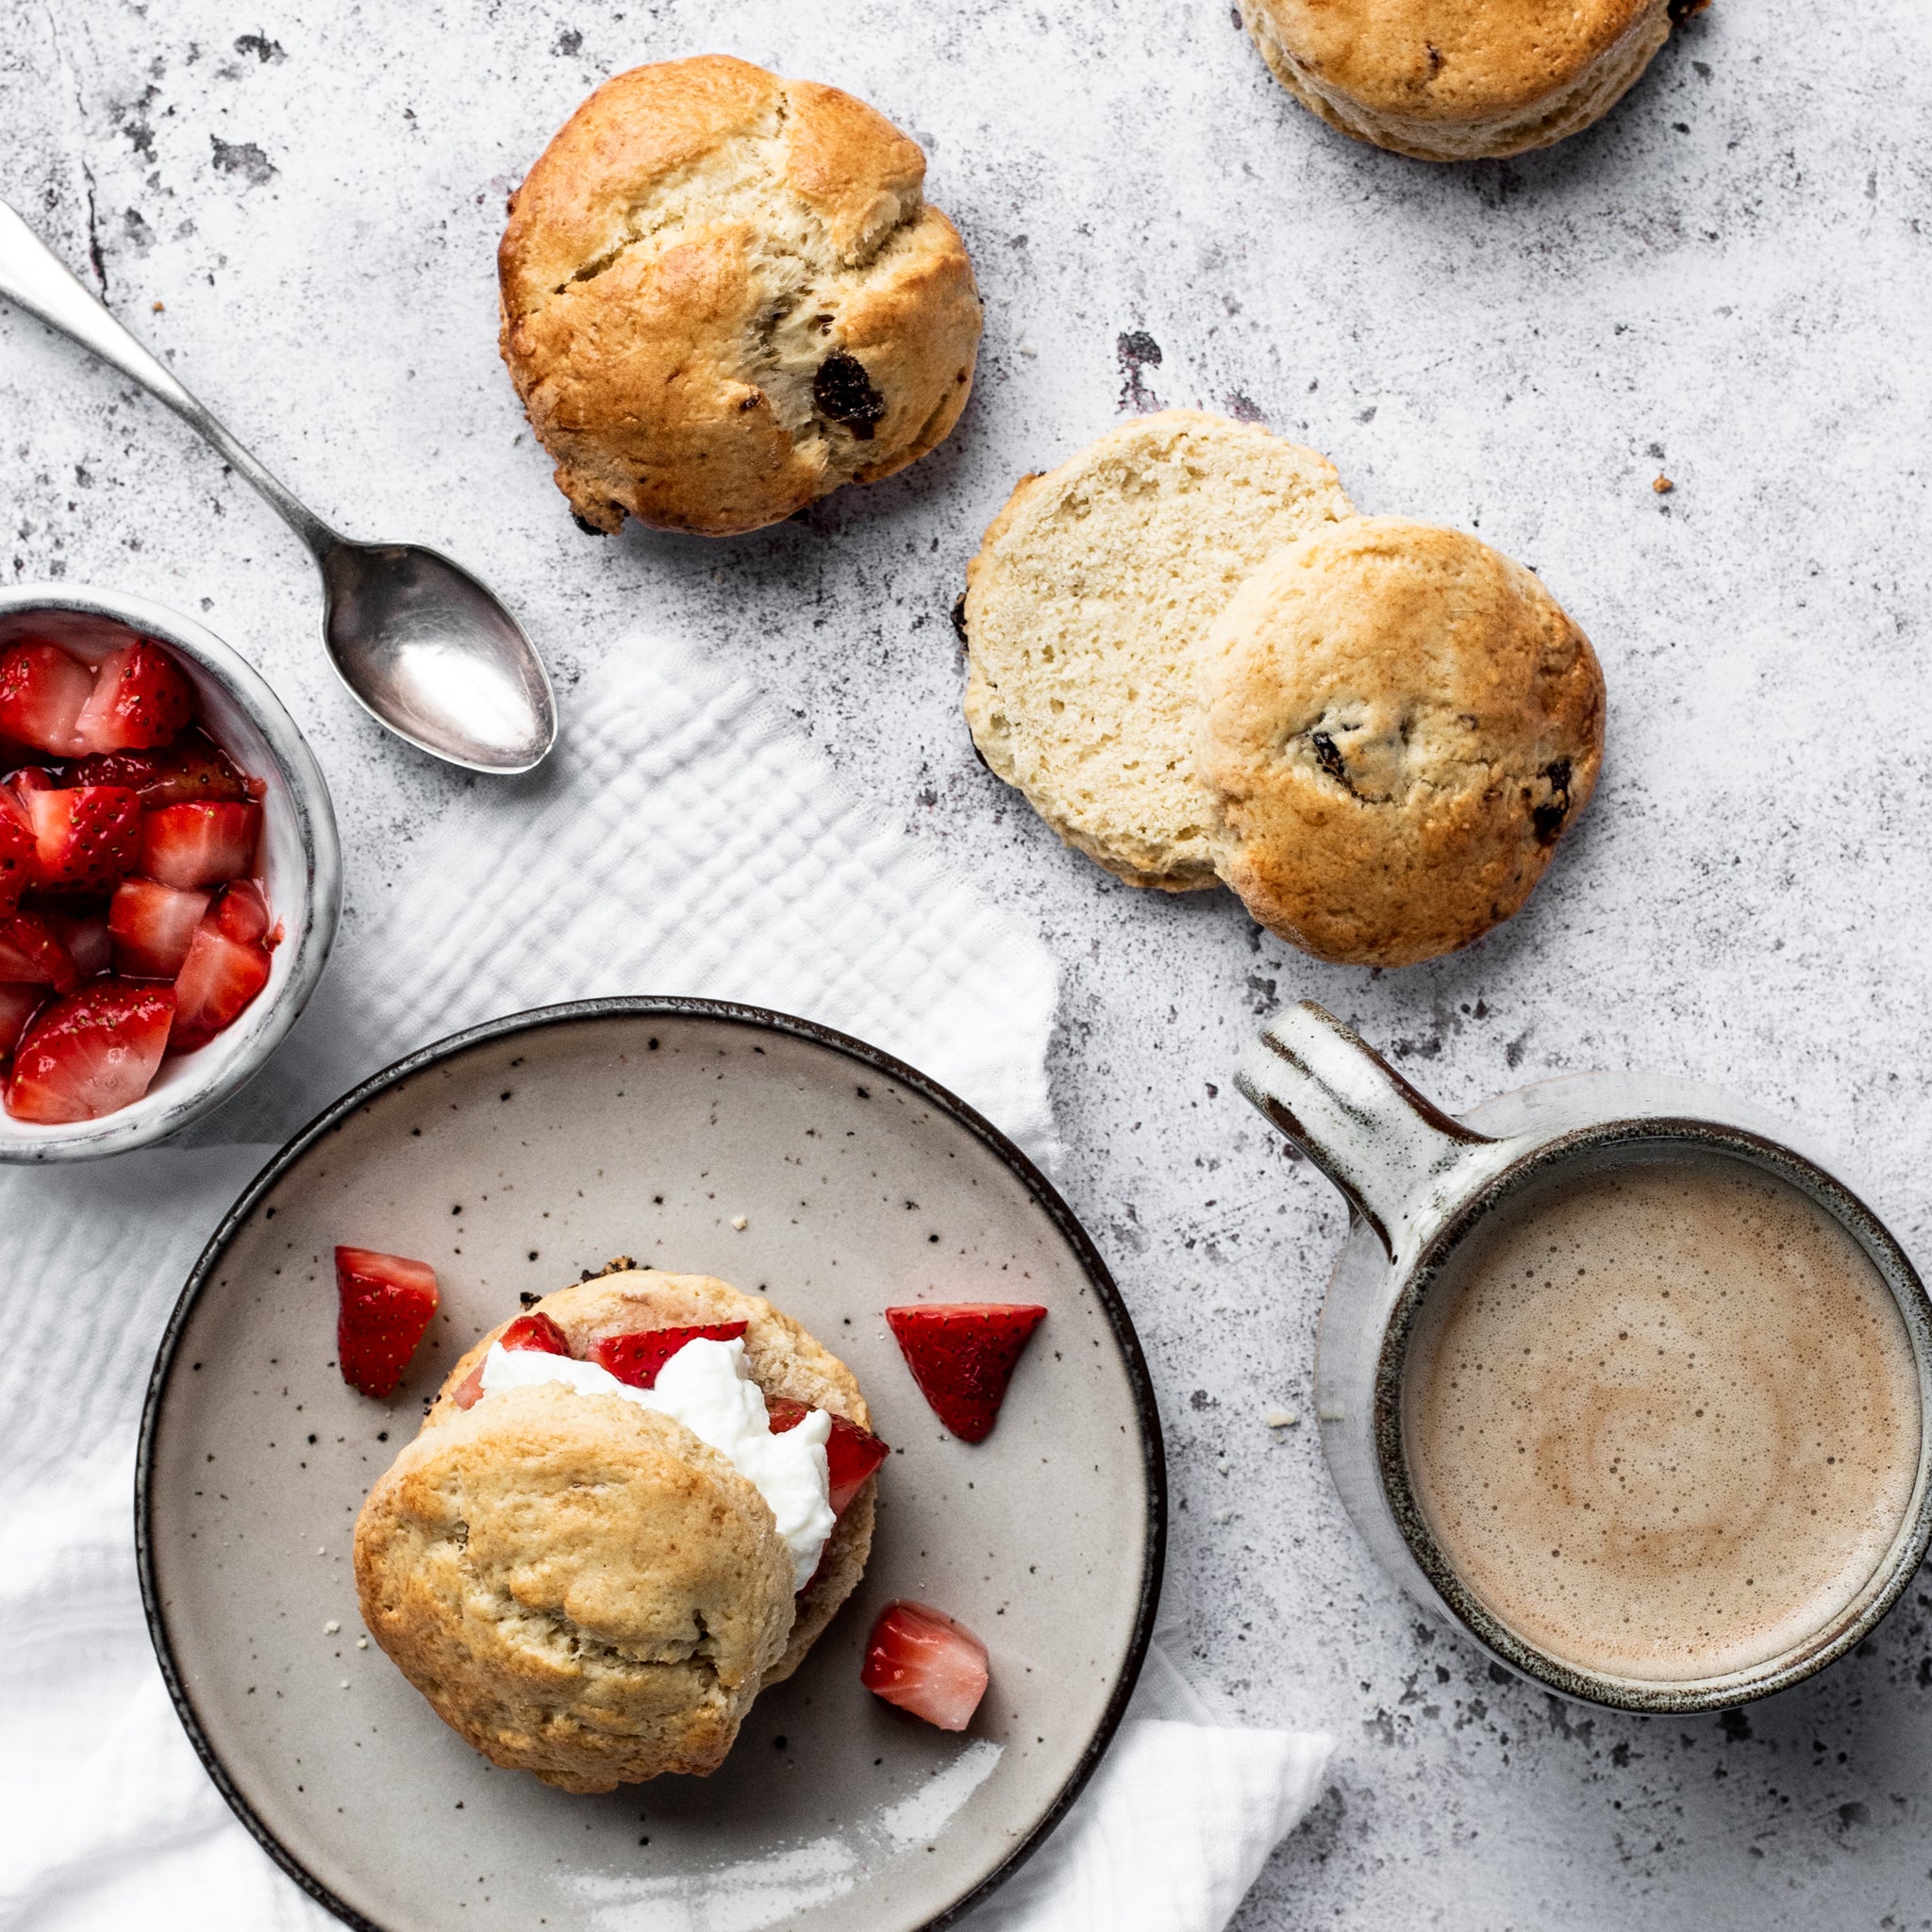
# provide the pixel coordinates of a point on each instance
(1046, 1196)
(1672, 1133)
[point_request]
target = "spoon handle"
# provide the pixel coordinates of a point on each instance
(34, 276)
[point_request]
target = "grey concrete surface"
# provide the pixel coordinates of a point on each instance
(1726, 283)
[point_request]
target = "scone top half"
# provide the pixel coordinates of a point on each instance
(724, 294)
(579, 1586)
(1449, 80)
(1397, 724)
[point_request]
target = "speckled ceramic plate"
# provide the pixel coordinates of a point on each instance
(699, 1136)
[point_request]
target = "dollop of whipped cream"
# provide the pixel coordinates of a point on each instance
(707, 1387)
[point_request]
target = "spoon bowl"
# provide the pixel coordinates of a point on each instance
(423, 647)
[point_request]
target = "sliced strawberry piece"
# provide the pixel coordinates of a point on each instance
(18, 1005)
(920, 1660)
(140, 698)
(84, 936)
(535, 1334)
(199, 844)
(218, 980)
(87, 837)
(852, 1454)
(637, 1358)
(90, 1052)
(31, 954)
(192, 770)
(152, 925)
(961, 1353)
(17, 848)
(42, 693)
(241, 912)
(387, 1303)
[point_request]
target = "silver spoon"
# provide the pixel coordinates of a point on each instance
(421, 644)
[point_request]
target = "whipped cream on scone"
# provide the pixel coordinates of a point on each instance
(590, 1574)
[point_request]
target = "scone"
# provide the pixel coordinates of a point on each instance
(723, 296)
(1449, 80)
(580, 1584)
(1397, 723)
(1093, 588)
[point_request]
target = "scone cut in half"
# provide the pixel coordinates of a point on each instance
(724, 294)
(1396, 725)
(1449, 80)
(626, 1512)
(1091, 591)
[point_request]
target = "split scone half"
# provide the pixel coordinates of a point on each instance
(1089, 597)
(580, 1584)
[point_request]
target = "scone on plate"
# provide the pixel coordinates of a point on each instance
(724, 294)
(1396, 725)
(1092, 587)
(1449, 80)
(626, 1512)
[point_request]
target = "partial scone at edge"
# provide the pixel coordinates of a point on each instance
(1090, 592)
(1398, 723)
(495, 1560)
(1445, 80)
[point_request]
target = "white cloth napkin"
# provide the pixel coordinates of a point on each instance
(687, 841)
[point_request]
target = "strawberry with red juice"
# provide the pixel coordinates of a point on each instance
(133, 925)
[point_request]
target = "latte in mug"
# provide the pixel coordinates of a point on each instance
(1663, 1417)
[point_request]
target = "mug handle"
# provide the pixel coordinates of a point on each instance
(1393, 1150)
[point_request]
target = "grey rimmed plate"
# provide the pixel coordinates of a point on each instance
(700, 1136)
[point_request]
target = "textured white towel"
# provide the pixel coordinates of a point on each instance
(686, 840)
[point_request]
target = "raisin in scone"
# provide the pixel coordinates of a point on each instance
(1449, 80)
(1396, 725)
(724, 294)
(1091, 592)
(581, 1586)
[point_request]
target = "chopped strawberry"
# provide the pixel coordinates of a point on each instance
(535, 1334)
(387, 1304)
(86, 937)
(90, 1052)
(199, 844)
(17, 848)
(31, 954)
(87, 837)
(920, 1660)
(961, 1353)
(42, 693)
(637, 1358)
(152, 925)
(18, 1005)
(852, 1454)
(192, 770)
(241, 912)
(140, 698)
(219, 978)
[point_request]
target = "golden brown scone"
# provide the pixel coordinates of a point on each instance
(723, 295)
(1091, 593)
(1449, 80)
(1397, 723)
(581, 1588)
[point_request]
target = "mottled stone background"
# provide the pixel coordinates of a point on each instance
(1726, 283)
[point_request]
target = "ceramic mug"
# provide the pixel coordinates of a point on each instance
(1418, 1183)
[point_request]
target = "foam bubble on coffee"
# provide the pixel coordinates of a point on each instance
(1663, 1420)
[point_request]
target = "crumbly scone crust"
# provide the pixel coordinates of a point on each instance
(1449, 80)
(1076, 690)
(1398, 723)
(723, 296)
(496, 1560)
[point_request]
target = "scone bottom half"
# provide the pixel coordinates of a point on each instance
(580, 1587)
(723, 296)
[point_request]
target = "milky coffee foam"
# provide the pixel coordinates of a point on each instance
(1662, 1419)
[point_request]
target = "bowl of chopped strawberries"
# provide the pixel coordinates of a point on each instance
(170, 875)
